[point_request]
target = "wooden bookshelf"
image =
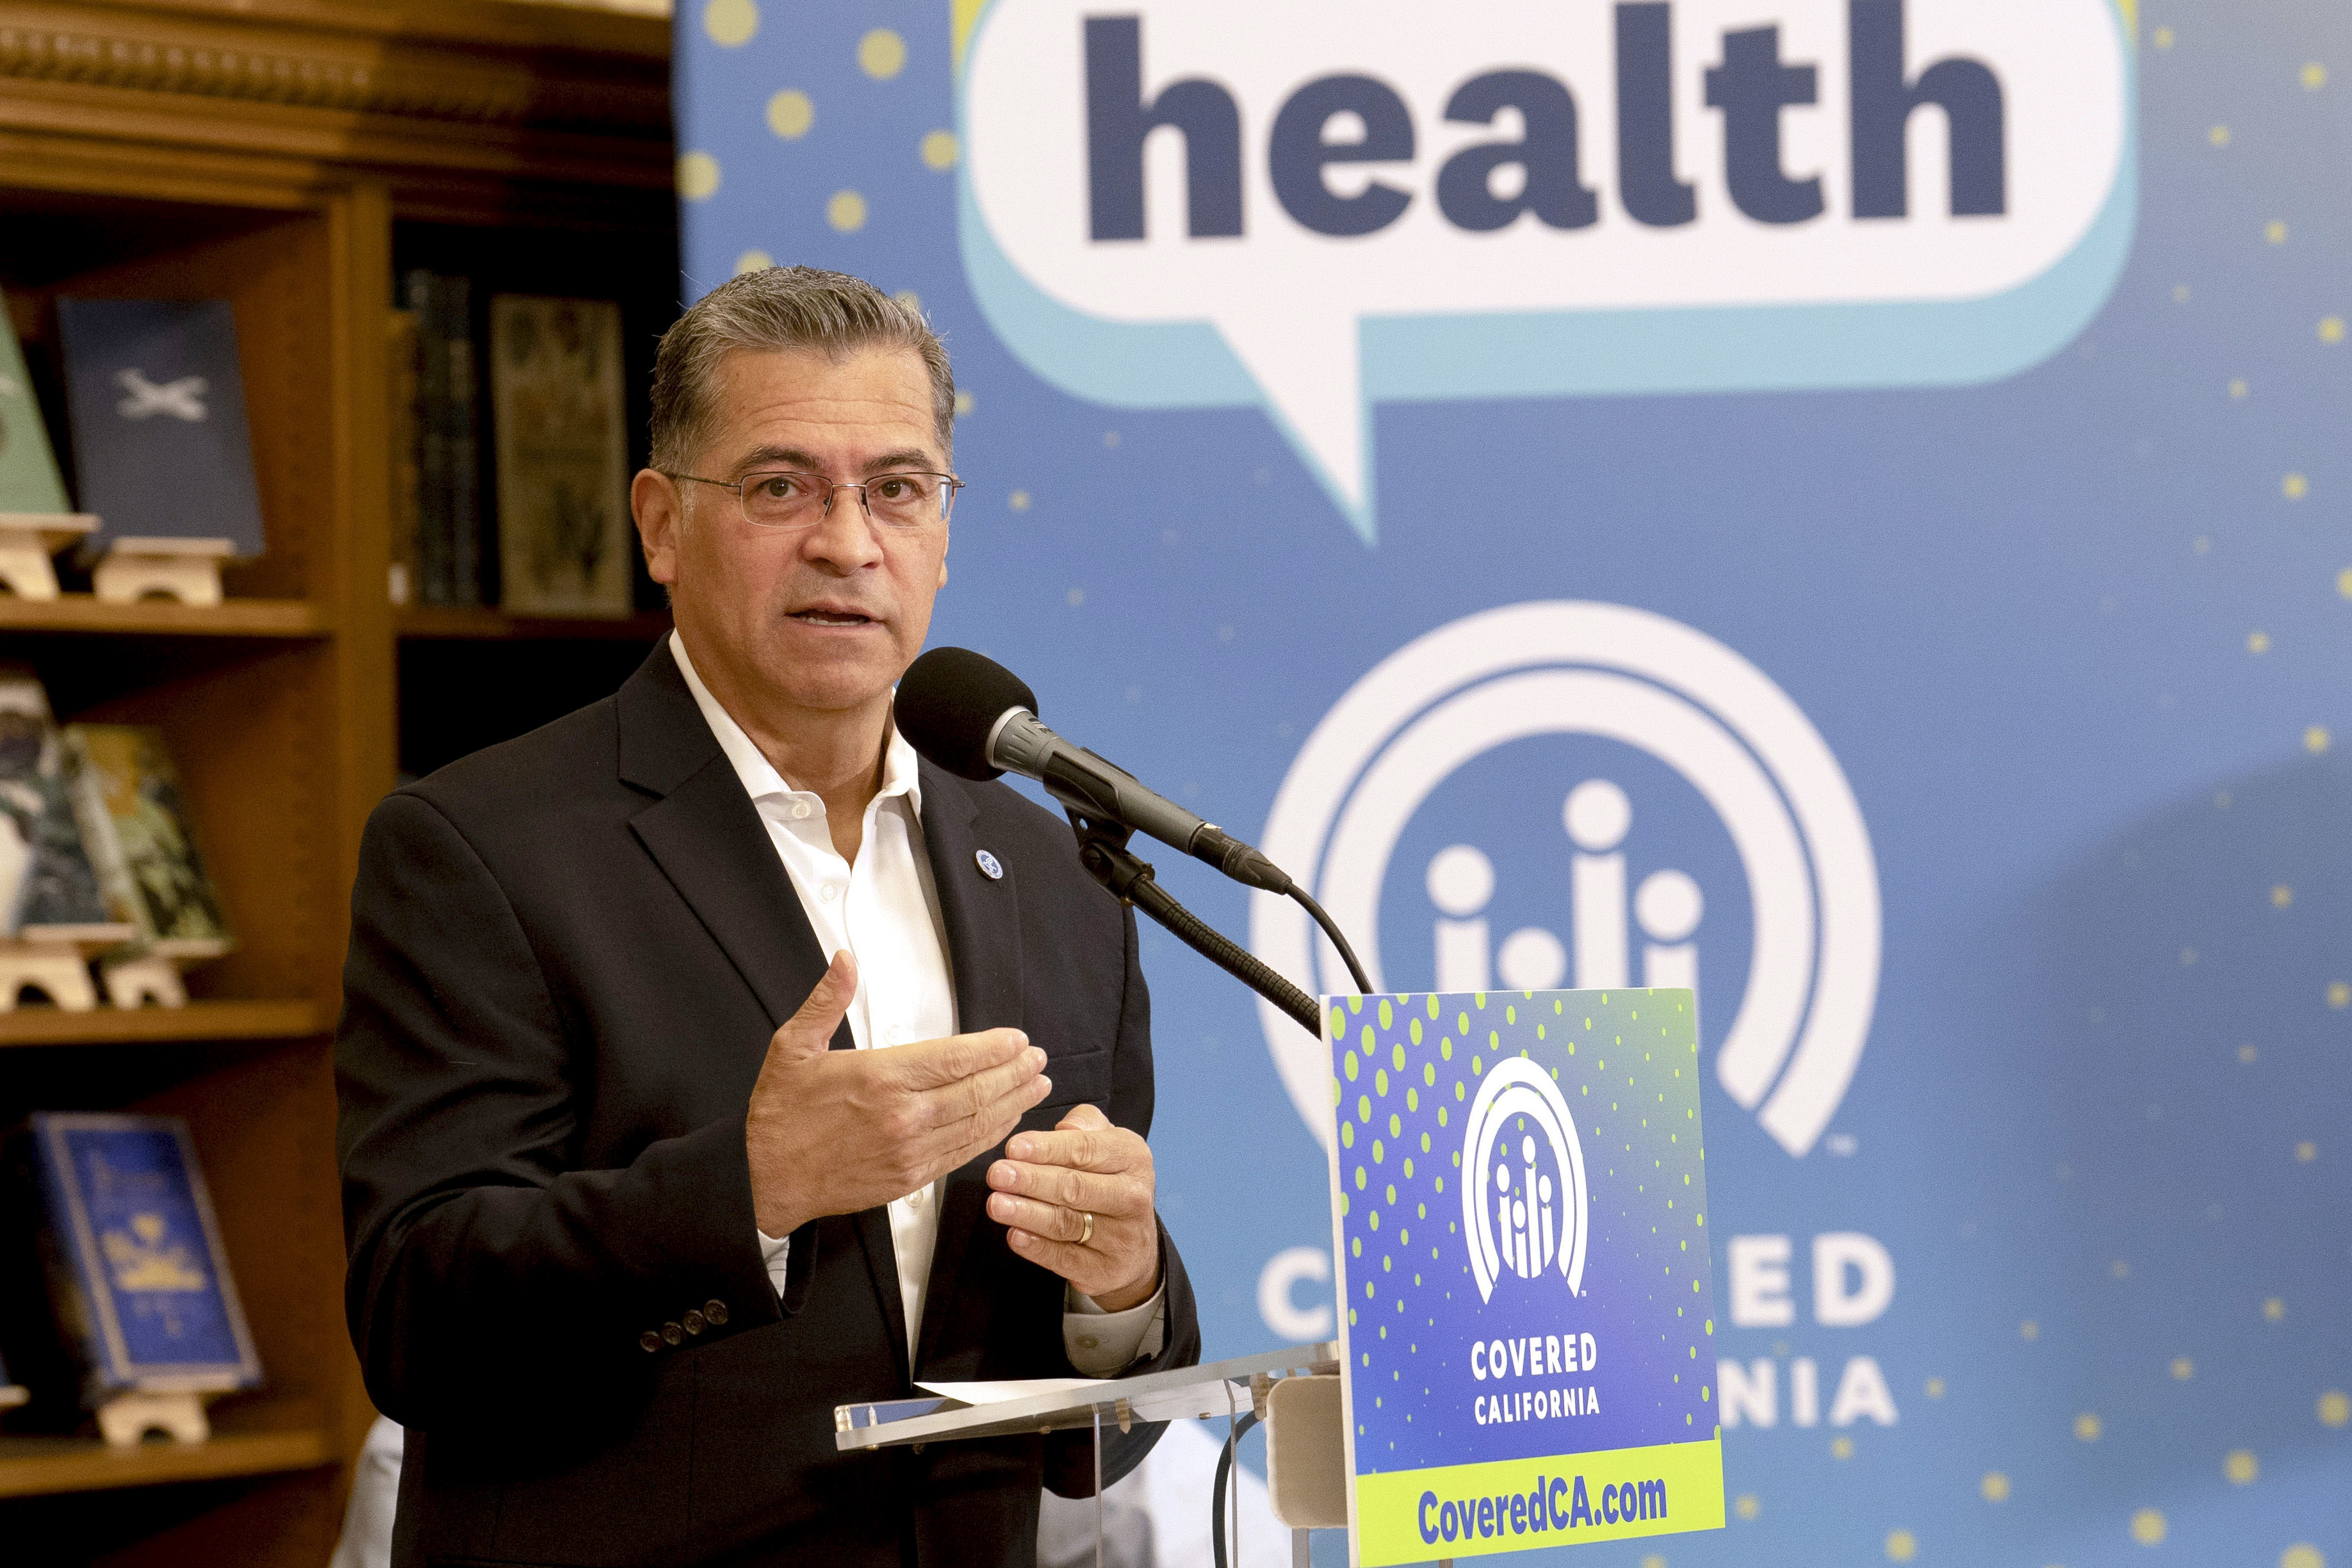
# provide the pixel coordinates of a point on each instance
(289, 156)
(164, 617)
(198, 1022)
(36, 1466)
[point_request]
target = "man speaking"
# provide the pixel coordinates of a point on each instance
(707, 1060)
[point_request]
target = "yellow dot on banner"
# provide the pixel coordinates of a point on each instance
(881, 54)
(1934, 1388)
(2335, 1407)
(2147, 1527)
(2282, 895)
(1841, 1447)
(753, 261)
(1901, 1546)
(2246, 1054)
(939, 150)
(2295, 487)
(2164, 37)
(1995, 1487)
(2303, 1554)
(1745, 1506)
(698, 176)
(2331, 329)
(2344, 583)
(1653, 1560)
(2306, 1152)
(2275, 231)
(2119, 1268)
(1018, 500)
(2241, 1466)
(2315, 741)
(2218, 136)
(730, 23)
(2187, 956)
(2087, 1428)
(846, 211)
(2029, 1330)
(790, 113)
(2273, 1309)
(2314, 77)
(2200, 544)
(963, 403)
(2183, 1369)
(2180, 293)
(2238, 387)
(2339, 994)
(2257, 642)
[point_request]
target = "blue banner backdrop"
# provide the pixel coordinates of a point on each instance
(1845, 505)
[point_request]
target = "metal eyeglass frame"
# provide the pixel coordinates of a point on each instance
(833, 486)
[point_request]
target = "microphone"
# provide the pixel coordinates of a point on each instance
(976, 719)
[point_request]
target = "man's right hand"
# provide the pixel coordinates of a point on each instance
(837, 1132)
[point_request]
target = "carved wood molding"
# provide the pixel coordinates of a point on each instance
(278, 64)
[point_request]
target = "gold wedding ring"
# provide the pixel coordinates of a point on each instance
(1087, 1231)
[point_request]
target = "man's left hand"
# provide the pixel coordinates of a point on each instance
(1049, 1184)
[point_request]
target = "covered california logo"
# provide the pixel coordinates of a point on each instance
(1796, 1028)
(1522, 1202)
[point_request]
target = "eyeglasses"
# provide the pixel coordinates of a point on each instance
(784, 498)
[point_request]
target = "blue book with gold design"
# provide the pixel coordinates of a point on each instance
(138, 1282)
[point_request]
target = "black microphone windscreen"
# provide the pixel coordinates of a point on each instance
(949, 699)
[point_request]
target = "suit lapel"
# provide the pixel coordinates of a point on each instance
(707, 836)
(981, 917)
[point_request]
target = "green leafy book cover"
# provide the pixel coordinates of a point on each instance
(142, 840)
(29, 480)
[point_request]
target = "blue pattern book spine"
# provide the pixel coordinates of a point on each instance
(157, 400)
(147, 1291)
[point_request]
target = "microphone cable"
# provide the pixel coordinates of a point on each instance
(1338, 938)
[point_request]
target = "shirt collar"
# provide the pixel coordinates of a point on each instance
(900, 775)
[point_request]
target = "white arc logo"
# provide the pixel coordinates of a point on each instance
(1542, 1226)
(1575, 667)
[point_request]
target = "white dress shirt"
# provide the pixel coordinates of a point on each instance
(885, 911)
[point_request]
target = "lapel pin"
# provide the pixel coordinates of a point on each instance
(989, 867)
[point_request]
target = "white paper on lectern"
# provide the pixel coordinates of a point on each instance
(998, 1393)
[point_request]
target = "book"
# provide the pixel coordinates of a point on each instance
(400, 347)
(29, 478)
(48, 888)
(558, 417)
(434, 584)
(157, 403)
(465, 444)
(142, 840)
(134, 1289)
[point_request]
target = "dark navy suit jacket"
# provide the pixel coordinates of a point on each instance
(568, 954)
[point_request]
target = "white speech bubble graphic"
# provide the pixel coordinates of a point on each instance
(1691, 256)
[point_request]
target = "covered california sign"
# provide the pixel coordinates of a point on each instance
(1521, 1228)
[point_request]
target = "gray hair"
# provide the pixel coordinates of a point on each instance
(783, 308)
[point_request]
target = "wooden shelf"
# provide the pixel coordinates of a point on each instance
(164, 617)
(456, 622)
(37, 1467)
(156, 1026)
